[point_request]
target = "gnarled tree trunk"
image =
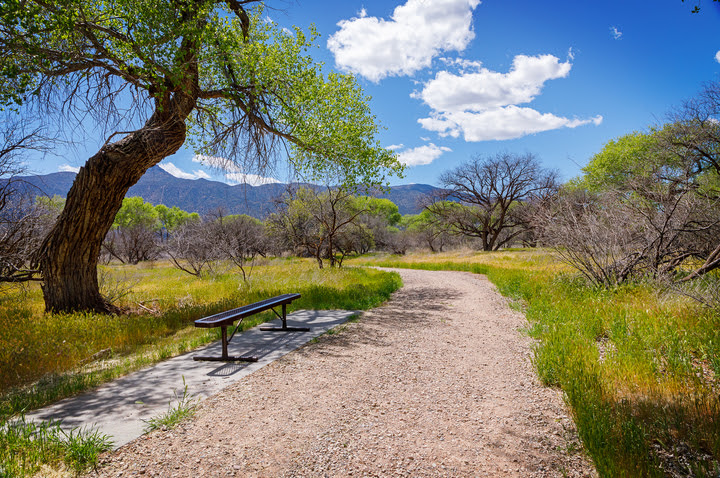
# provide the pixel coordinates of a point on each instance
(68, 257)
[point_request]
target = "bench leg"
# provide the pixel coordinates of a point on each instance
(284, 327)
(225, 357)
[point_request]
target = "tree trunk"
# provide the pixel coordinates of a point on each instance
(68, 257)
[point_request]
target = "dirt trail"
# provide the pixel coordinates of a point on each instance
(438, 382)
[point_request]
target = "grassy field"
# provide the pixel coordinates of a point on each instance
(47, 357)
(639, 367)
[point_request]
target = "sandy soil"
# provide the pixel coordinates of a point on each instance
(438, 382)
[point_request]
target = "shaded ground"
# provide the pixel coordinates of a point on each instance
(438, 382)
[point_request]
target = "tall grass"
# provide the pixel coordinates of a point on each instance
(46, 357)
(25, 447)
(639, 368)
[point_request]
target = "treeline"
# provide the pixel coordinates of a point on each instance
(325, 224)
(646, 206)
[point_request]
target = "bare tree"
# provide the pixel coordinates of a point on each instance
(593, 234)
(693, 139)
(478, 195)
(649, 228)
(191, 248)
(22, 226)
(240, 239)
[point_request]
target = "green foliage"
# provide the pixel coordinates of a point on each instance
(381, 208)
(619, 160)
(26, 446)
(50, 205)
(171, 218)
(418, 222)
(254, 82)
(135, 212)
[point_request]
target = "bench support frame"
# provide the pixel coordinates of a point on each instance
(284, 327)
(225, 357)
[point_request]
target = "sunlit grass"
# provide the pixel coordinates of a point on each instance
(639, 366)
(29, 449)
(46, 357)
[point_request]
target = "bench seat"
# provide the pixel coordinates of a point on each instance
(226, 319)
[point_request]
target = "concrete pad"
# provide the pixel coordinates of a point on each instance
(119, 408)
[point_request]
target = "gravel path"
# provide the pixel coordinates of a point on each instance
(438, 382)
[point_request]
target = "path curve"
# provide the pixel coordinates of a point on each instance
(437, 382)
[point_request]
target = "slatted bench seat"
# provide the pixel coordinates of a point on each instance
(227, 318)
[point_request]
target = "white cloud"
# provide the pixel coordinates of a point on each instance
(422, 154)
(251, 179)
(485, 89)
(232, 172)
(508, 122)
(717, 56)
(66, 168)
(615, 33)
(216, 162)
(170, 168)
(482, 104)
(393, 147)
(407, 42)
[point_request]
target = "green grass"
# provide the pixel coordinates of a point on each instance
(25, 447)
(44, 357)
(183, 409)
(639, 368)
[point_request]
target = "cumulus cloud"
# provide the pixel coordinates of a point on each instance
(484, 89)
(422, 154)
(615, 33)
(509, 122)
(216, 162)
(232, 172)
(416, 32)
(251, 179)
(481, 104)
(717, 56)
(66, 168)
(170, 168)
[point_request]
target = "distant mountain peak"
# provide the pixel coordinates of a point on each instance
(203, 196)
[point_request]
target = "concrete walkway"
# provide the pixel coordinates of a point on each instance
(119, 408)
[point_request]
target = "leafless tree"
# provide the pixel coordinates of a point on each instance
(693, 139)
(240, 239)
(132, 244)
(478, 196)
(648, 229)
(191, 249)
(22, 226)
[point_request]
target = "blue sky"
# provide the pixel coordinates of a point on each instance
(451, 79)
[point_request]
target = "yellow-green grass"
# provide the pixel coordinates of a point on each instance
(45, 357)
(639, 366)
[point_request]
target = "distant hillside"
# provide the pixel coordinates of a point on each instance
(203, 196)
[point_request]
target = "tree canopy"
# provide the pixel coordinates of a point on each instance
(154, 73)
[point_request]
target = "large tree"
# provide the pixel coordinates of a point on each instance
(155, 73)
(478, 196)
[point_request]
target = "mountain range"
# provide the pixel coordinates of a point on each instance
(204, 196)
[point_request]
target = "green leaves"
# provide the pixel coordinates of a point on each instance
(248, 88)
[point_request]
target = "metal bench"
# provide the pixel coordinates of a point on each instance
(227, 318)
